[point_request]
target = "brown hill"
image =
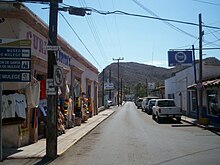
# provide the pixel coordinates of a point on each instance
(133, 73)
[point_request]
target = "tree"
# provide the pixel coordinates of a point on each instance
(140, 90)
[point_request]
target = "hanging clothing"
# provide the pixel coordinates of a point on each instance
(14, 104)
(43, 89)
(8, 108)
(20, 105)
(32, 92)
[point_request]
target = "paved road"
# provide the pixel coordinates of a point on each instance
(131, 137)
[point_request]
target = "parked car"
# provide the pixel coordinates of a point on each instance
(110, 103)
(139, 102)
(166, 108)
(145, 102)
(149, 106)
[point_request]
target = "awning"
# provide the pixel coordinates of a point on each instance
(205, 84)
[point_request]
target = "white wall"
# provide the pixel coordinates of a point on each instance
(183, 79)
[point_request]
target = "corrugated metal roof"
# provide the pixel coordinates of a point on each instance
(205, 84)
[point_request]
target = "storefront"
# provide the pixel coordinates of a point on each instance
(211, 99)
(20, 23)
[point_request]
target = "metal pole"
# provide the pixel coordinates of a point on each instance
(200, 68)
(1, 152)
(51, 131)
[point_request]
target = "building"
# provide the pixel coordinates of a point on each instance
(18, 23)
(182, 88)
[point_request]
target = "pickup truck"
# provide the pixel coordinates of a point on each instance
(166, 108)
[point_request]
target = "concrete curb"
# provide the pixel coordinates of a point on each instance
(208, 127)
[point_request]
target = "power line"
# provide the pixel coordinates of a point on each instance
(119, 12)
(211, 3)
(80, 40)
(169, 24)
(95, 33)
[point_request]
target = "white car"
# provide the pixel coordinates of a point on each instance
(144, 105)
(166, 108)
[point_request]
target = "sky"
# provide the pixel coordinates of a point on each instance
(102, 38)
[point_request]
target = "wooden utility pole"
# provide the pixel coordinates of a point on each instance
(103, 87)
(200, 87)
(51, 130)
(195, 79)
(118, 59)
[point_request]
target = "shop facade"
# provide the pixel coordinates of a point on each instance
(183, 89)
(79, 76)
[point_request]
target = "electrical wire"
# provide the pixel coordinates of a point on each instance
(169, 24)
(119, 12)
(210, 3)
(95, 33)
(80, 40)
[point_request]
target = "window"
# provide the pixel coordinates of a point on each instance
(170, 96)
(166, 103)
(212, 97)
(194, 104)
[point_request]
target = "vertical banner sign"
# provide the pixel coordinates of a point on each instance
(179, 58)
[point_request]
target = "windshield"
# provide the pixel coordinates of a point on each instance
(166, 103)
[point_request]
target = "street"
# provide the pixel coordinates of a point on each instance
(131, 137)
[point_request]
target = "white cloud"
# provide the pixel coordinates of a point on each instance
(157, 63)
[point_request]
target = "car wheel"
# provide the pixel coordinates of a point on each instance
(178, 119)
(158, 118)
(153, 116)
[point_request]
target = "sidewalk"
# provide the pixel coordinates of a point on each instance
(211, 126)
(64, 141)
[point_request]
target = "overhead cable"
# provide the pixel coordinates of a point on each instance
(80, 40)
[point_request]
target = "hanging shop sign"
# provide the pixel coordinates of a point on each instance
(108, 86)
(179, 58)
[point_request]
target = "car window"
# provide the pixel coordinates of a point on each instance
(166, 103)
(152, 103)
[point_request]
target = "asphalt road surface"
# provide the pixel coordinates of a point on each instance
(131, 137)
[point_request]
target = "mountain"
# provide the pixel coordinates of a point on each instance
(133, 73)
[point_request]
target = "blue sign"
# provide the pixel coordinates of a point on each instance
(17, 64)
(59, 1)
(179, 58)
(7, 52)
(14, 76)
(63, 58)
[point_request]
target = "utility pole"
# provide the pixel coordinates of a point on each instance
(121, 91)
(110, 80)
(195, 79)
(51, 130)
(118, 59)
(103, 87)
(200, 86)
(146, 88)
